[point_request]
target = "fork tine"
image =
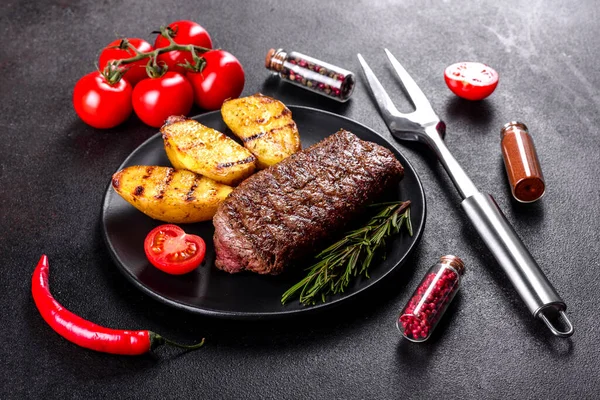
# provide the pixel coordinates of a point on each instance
(386, 107)
(416, 96)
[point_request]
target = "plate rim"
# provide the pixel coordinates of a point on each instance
(237, 315)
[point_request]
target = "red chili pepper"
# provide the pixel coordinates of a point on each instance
(85, 333)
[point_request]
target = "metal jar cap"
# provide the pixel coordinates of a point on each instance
(455, 262)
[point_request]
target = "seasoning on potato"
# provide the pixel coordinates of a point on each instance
(206, 151)
(169, 195)
(265, 125)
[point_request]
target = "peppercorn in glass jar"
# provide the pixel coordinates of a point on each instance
(428, 303)
(312, 74)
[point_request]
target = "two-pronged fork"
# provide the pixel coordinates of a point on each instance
(423, 125)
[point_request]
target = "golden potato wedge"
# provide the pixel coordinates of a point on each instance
(203, 150)
(166, 194)
(265, 125)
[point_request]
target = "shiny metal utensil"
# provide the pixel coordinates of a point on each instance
(423, 125)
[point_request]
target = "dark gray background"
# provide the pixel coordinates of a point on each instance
(54, 170)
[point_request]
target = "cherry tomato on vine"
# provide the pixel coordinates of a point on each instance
(222, 78)
(183, 32)
(155, 99)
(100, 104)
(173, 251)
(136, 71)
(471, 80)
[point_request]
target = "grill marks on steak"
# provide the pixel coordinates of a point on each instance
(283, 212)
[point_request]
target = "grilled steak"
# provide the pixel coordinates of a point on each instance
(284, 212)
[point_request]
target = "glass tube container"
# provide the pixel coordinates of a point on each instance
(312, 74)
(430, 300)
(521, 161)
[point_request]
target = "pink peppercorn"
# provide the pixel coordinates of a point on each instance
(430, 300)
(312, 74)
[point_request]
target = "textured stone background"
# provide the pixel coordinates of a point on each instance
(54, 171)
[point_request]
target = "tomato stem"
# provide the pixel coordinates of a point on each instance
(131, 47)
(154, 69)
(113, 71)
(199, 63)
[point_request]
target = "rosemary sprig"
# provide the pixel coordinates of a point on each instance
(351, 256)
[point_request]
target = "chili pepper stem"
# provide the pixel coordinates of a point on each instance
(157, 340)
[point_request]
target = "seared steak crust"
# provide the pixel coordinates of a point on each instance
(283, 212)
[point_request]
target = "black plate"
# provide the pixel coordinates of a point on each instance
(209, 291)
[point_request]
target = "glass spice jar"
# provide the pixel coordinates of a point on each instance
(312, 74)
(430, 300)
(521, 162)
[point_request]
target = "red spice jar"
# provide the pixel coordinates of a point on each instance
(312, 74)
(430, 300)
(521, 162)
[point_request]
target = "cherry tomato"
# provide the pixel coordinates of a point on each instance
(101, 104)
(222, 78)
(184, 32)
(155, 99)
(471, 80)
(172, 250)
(135, 71)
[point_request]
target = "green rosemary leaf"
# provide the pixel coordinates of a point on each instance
(350, 256)
(408, 223)
(395, 221)
(367, 260)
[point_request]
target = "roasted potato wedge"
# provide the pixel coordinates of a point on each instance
(166, 194)
(203, 150)
(265, 126)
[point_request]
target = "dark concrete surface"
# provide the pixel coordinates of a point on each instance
(54, 170)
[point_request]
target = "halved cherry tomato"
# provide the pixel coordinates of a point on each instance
(471, 80)
(222, 78)
(173, 251)
(184, 32)
(135, 71)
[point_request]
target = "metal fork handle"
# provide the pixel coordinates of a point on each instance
(511, 254)
(462, 182)
(509, 251)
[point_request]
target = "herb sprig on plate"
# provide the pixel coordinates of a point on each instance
(351, 256)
